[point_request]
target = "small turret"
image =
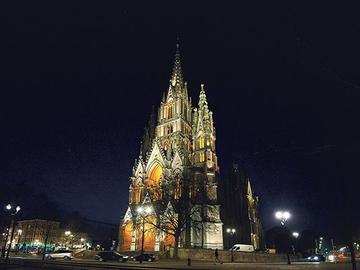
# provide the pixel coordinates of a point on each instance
(202, 98)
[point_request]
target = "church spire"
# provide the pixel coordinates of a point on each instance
(202, 98)
(177, 77)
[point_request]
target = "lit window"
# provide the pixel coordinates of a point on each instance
(202, 157)
(201, 142)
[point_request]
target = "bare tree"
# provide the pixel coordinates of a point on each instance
(175, 219)
(176, 213)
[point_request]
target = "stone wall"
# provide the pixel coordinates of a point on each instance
(225, 255)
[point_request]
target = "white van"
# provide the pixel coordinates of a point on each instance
(59, 254)
(243, 248)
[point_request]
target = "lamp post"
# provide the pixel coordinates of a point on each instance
(231, 232)
(13, 211)
(143, 212)
(6, 236)
(283, 216)
(296, 236)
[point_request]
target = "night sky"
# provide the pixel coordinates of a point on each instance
(78, 82)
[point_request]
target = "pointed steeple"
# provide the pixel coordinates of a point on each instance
(202, 98)
(177, 77)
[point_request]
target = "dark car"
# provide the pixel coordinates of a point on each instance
(316, 258)
(146, 257)
(111, 256)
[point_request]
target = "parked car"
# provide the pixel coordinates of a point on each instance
(243, 248)
(111, 256)
(146, 257)
(316, 258)
(59, 254)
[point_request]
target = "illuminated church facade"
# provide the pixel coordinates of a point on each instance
(177, 160)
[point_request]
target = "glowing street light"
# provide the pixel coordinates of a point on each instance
(296, 235)
(67, 233)
(283, 216)
(231, 232)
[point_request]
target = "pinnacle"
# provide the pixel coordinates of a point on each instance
(202, 97)
(176, 77)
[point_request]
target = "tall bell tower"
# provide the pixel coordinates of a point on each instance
(174, 120)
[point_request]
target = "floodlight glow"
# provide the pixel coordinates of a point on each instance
(228, 230)
(148, 210)
(233, 230)
(295, 234)
(67, 233)
(283, 216)
(278, 214)
(8, 207)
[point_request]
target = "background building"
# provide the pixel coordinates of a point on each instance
(240, 210)
(32, 233)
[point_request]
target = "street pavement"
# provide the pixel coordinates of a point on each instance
(82, 264)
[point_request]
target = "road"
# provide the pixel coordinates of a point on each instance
(81, 264)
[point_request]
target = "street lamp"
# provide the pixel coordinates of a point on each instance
(283, 216)
(231, 232)
(296, 236)
(9, 208)
(143, 213)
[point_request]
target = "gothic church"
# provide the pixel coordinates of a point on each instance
(177, 160)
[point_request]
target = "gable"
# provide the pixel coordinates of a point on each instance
(156, 155)
(128, 215)
(140, 170)
(177, 161)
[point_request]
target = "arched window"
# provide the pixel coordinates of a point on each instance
(201, 142)
(154, 181)
(202, 157)
(170, 111)
(155, 175)
(136, 195)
